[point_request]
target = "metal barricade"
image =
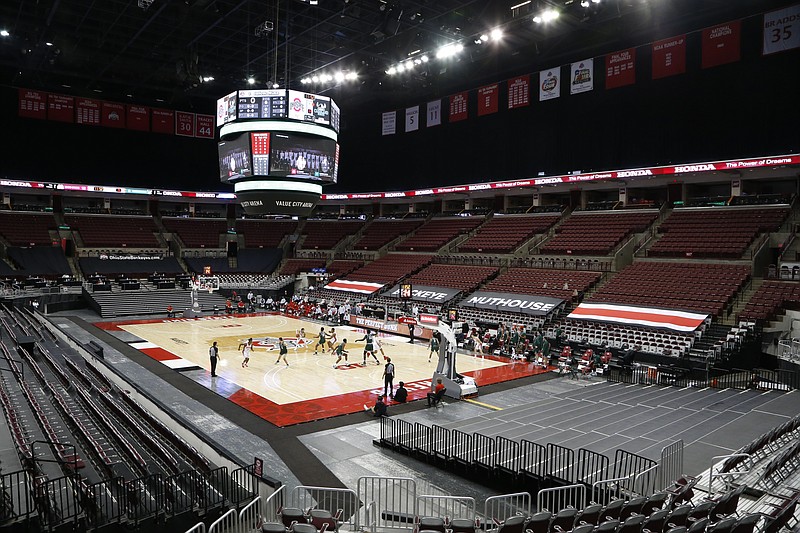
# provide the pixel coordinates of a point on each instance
(726, 477)
(225, 523)
(560, 463)
(671, 464)
(449, 507)
(627, 463)
(330, 499)
(273, 503)
(646, 481)
(57, 500)
(483, 453)
(144, 498)
(404, 432)
(243, 484)
(507, 458)
(440, 443)
(394, 500)
(250, 517)
(200, 527)
(461, 453)
(388, 437)
(560, 497)
(104, 502)
(499, 508)
(591, 467)
(605, 490)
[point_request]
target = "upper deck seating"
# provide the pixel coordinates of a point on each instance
(597, 233)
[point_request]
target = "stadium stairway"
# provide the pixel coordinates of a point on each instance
(742, 301)
(142, 302)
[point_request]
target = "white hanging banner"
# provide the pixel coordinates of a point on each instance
(782, 30)
(434, 113)
(412, 118)
(549, 84)
(389, 123)
(581, 76)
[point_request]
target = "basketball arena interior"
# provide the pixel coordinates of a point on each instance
(379, 266)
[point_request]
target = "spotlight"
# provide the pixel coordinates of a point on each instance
(391, 71)
(351, 76)
(4, 33)
(484, 38)
(424, 58)
(275, 85)
(48, 43)
(251, 81)
(496, 34)
(315, 79)
(339, 76)
(401, 68)
(207, 79)
(537, 19)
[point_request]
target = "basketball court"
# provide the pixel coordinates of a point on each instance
(309, 388)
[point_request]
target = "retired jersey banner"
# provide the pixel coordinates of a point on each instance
(389, 123)
(412, 118)
(512, 303)
(581, 76)
(361, 287)
(424, 293)
(722, 44)
(669, 57)
(782, 30)
(204, 126)
(642, 316)
(621, 68)
(549, 84)
(488, 97)
(32, 104)
(458, 106)
(434, 113)
(184, 124)
(519, 91)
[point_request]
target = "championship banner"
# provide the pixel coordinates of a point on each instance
(184, 124)
(641, 316)
(519, 91)
(549, 84)
(60, 108)
(581, 76)
(32, 104)
(722, 44)
(138, 118)
(512, 303)
(458, 106)
(781, 30)
(424, 293)
(87, 111)
(113, 115)
(361, 287)
(163, 121)
(412, 118)
(389, 123)
(669, 57)
(204, 126)
(434, 113)
(621, 68)
(390, 327)
(488, 98)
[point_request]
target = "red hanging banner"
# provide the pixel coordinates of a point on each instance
(87, 111)
(162, 121)
(488, 97)
(184, 124)
(621, 68)
(32, 104)
(669, 57)
(458, 106)
(60, 108)
(204, 126)
(113, 115)
(138, 118)
(519, 91)
(722, 44)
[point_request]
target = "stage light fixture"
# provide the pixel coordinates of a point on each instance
(4, 33)
(251, 81)
(496, 34)
(351, 76)
(339, 76)
(391, 71)
(424, 58)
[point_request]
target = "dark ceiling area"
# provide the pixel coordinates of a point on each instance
(158, 51)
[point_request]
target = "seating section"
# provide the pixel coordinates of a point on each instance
(437, 232)
(616, 336)
(554, 283)
(705, 288)
(712, 232)
(503, 234)
(383, 231)
(390, 268)
(342, 267)
(47, 261)
(453, 276)
(326, 234)
(27, 229)
(293, 267)
(770, 298)
(595, 233)
(197, 233)
(265, 233)
(105, 230)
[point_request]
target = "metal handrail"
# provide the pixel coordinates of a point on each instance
(726, 476)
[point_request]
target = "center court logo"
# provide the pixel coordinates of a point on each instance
(271, 343)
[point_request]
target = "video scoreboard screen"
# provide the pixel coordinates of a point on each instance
(303, 157)
(260, 144)
(234, 158)
(262, 104)
(280, 104)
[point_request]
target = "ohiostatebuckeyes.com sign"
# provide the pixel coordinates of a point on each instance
(424, 293)
(514, 303)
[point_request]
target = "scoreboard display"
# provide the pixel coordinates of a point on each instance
(262, 104)
(278, 104)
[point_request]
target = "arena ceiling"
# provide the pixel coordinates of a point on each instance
(152, 51)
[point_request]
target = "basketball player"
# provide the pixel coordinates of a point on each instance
(283, 351)
(320, 341)
(246, 352)
(340, 352)
(379, 346)
(434, 346)
(332, 340)
(369, 348)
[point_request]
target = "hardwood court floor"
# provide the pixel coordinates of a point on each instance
(309, 388)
